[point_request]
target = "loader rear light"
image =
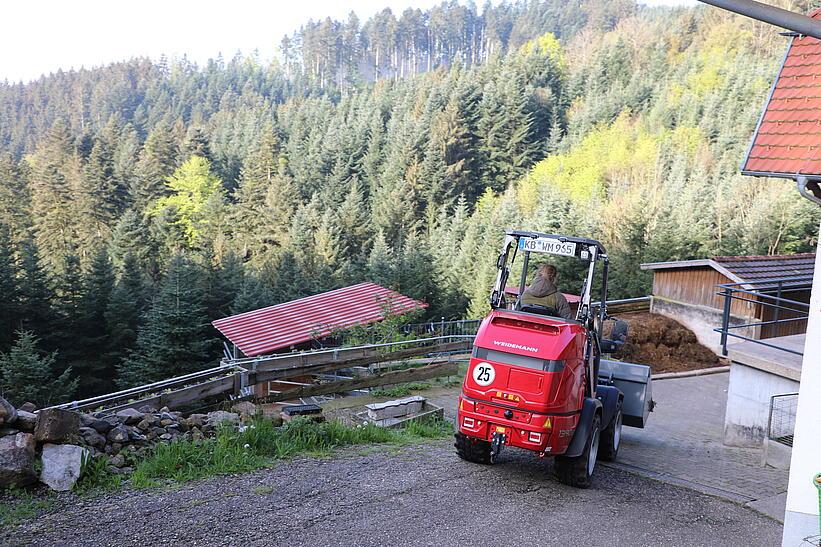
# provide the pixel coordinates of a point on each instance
(534, 437)
(465, 405)
(526, 325)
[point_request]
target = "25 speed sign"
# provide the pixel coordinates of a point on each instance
(484, 374)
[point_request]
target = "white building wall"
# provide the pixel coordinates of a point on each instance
(801, 519)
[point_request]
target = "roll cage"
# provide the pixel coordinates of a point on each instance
(584, 249)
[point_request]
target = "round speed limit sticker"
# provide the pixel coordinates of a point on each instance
(483, 374)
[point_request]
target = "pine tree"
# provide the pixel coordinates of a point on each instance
(15, 213)
(252, 295)
(173, 338)
(157, 161)
(381, 263)
(26, 374)
(35, 295)
(10, 305)
(124, 310)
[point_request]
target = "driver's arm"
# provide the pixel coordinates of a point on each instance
(563, 307)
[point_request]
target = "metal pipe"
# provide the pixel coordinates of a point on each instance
(789, 20)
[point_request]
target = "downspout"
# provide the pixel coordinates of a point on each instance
(810, 189)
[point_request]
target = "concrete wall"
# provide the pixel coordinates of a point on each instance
(801, 517)
(699, 319)
(748, 404)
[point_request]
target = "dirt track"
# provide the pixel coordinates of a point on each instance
(421, 495)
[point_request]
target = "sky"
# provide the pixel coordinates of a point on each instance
(41, 36)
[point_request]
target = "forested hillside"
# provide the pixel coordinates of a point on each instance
(142, 200)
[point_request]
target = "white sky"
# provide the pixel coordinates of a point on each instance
(40, 36)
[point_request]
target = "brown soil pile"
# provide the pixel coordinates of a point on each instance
(664, 344)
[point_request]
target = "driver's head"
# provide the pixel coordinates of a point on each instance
(548, 272)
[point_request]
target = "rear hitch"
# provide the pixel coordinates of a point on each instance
(496, 445)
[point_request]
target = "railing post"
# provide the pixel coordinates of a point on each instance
(777, 309)
(725, 319)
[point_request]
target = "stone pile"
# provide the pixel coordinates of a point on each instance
(63, 439)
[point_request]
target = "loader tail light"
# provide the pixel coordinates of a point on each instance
(535, 437)
(469, 406)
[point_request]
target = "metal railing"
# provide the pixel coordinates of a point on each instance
(759, 295)
(781, 422)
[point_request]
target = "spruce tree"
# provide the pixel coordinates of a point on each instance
(173, 338)
(124, 310)
(36, 296)
(10, 305)
(27, 374)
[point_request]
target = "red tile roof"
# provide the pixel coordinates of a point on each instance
(268, 329)
(787, 141)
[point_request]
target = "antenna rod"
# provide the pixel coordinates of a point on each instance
(789, 20)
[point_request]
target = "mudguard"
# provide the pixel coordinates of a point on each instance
(589, 409)
(609, 397)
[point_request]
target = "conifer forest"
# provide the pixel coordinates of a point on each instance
(141, 200)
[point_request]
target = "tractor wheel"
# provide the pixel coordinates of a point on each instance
(471, 449)
(611, 438)
(578, 471)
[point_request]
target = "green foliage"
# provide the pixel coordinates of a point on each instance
(94, 475)
(192, 187)
(26, 374)
(401, 390)
(234, 451)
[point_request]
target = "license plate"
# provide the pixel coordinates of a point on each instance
(548, 245)
(500, 429)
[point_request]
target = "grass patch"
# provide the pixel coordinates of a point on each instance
(18, 505)
(401, 390)
(94, 476)
(263, 490)
(233, 451)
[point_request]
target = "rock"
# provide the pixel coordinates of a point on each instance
(151, 419)
(28, 407)
(25, 420)
(165, 437)
(166, 422)
(17, 460)
(196, 420)
(5, 431)
(143, 425)
(92, 438)
(102, 426)
(245, 408)
(129, 416)
(147, 409)
(55, 425)
(196, 434)
(220, 416)
(118, 434)
(137, 437)
(7, 412)
(62, 464)
(165, 409)
(117, 461)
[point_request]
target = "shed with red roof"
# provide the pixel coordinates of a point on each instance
(295, 323)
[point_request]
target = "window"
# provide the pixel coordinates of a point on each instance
(546, 365)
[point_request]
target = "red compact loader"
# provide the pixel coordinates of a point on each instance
(537, 381)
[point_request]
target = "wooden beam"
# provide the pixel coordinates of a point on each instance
(434, 370)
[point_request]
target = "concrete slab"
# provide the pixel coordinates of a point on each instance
(773, 507)
(772, 360)
(682, 444)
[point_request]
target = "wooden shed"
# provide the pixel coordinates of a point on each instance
(687, 291)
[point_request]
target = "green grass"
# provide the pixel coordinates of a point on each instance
(94, 476)
(401, 390)
(234, 452)
(18, 505)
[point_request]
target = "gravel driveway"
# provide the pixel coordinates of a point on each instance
(382, 495)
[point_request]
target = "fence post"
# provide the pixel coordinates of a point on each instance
(725, 319)
(776, 329)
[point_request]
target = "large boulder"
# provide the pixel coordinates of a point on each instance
(8, 414)
(129, 416)
(17, 460)
(55, 425)
(62, 464)
(25, 420)
(246, 409)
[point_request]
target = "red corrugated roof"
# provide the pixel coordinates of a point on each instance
(268, 329)
(787, 141)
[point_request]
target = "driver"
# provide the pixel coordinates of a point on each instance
(543, 292)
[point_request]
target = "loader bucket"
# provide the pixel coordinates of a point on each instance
(635, 383)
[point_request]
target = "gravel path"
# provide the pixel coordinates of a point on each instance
(382, 495)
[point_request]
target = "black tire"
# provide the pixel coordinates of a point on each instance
(611, 437)
(472, 449)
(578, 471)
